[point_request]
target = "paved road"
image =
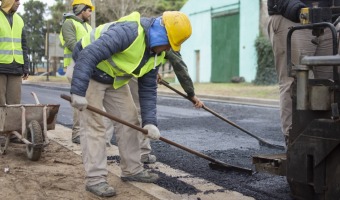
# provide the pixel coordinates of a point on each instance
(199, 130)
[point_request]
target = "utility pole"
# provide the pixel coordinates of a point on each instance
(47, 46)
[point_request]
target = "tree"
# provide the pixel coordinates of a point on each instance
(57, 11)
(164, 5)
(35, 31)
(107, 11)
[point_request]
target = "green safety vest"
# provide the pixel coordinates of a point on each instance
(10, 39)
(121, 65)
(80, 32)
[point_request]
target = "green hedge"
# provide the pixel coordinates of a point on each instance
(266, 73)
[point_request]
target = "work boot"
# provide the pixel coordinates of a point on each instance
(143, 176)
(148, 159)
(76, 140)
(102, 189)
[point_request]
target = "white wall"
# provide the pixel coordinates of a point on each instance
(249, 30)
(199, 13)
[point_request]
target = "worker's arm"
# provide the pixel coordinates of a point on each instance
(289, 9)
(147, 91)
(69, 34)
(181, 71)
(25, 54)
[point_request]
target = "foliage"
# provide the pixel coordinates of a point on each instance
(164, 5)
(35, 32)
(266, 73)
(57, 11)
(107, 11)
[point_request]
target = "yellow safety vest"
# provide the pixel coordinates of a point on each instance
(121, 65)
(10, 39)
(80, 32)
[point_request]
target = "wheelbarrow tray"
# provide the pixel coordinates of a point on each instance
(11, 116)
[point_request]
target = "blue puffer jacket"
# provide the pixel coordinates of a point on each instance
(290, 9)
(117, 38)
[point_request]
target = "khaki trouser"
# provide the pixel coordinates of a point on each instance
(119, 103)
(301, 45)
(144, 141)
(10, 89)
(76, 123)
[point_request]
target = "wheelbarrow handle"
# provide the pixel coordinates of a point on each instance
(144, 131)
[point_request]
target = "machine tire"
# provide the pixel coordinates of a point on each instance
(35, 136)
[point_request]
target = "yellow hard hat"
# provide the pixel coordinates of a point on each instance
(178, 28)
(85, 2)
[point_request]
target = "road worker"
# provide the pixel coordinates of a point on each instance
(75, 26)
(14, 63)
(105, 61)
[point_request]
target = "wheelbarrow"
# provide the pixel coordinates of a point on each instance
(29, 123)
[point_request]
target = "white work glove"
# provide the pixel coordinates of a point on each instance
(153, 131)
(78, 102)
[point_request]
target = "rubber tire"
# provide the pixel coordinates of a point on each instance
(35, 136)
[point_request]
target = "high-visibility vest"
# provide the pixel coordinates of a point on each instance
(122, 65)
(80, 32)
(10, 39)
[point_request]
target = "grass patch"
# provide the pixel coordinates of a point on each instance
(233, 89)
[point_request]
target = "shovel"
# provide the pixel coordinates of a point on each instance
(262, 142)
(217, 163)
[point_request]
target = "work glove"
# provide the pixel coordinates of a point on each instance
(25, 76)
(153, 132)
(78, 102)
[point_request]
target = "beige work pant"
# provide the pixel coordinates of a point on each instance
(10, 89)
(144, 141)
(119, 103)
(76, 123)
(301, 45)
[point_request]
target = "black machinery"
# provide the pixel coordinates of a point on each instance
(312, 161)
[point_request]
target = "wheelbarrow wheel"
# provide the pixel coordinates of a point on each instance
(35, 136)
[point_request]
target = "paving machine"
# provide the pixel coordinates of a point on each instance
(312, 160)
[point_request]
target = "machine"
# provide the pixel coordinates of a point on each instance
(312, 161)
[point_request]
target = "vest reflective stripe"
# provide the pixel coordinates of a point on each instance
(122, 65)
(80, 32)
(10, 40)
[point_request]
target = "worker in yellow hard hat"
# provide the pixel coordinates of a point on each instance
(105, 61)
(75, 26)
(84, 2)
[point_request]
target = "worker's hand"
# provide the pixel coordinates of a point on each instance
(197, 103)
(78, 102)
(159, 78)
(153, 131)
(25, 76)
